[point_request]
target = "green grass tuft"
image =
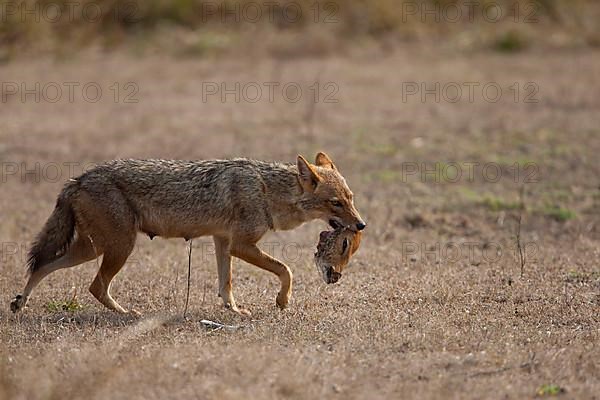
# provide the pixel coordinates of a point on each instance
(498, 204)
(559, 213)
(550, 390)
(72, 305)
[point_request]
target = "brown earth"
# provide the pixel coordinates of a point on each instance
(432, 306)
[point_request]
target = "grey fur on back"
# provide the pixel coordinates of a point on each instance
(173, 198)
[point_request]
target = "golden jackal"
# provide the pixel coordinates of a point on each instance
(236, 201)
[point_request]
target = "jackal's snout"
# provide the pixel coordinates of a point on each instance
(353, 221)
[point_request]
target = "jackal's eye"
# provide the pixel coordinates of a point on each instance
(337, 203)
(344, 245)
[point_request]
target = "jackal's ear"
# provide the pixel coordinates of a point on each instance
(323, 160)
(309, 178)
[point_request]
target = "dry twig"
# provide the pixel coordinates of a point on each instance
(521, 254)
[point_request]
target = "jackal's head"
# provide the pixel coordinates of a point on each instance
(334, 251)
(326, 195)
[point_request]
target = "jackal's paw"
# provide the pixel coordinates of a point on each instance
(282, 300)
(243, 312)
(17, 303)
(240, 311)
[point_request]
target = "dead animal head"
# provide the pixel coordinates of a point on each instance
(334, 251)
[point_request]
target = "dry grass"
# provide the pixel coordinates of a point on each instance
(398, 325)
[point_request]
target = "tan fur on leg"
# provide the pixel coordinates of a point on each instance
(252, 254)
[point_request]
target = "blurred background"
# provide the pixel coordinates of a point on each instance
(291, 29)
(468, 131)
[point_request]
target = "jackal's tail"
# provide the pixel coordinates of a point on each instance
(58, 232)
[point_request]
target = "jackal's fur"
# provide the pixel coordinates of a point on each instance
(236, 201)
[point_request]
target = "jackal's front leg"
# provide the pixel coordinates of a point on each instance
(252, 254)
(222, 250)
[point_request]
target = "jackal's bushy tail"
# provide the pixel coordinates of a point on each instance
(57, 234)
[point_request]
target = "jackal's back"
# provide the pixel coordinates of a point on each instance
(175, 198)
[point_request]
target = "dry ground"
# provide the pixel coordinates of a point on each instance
(402, 323)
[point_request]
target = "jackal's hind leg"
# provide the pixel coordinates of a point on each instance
(113, 261)
(79, 252)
